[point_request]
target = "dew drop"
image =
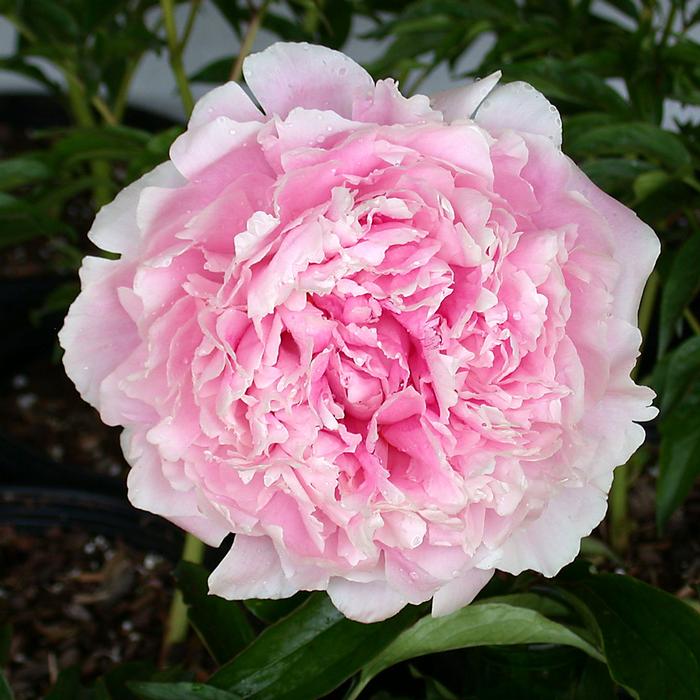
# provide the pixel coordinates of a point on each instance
(342, 71)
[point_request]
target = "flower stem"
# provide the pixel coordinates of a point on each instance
(84, 117)
(248, 40)
(619, 517)
(692, 321)
(176, 626)
(175, 48)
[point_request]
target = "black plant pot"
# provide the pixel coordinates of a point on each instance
(26, 336)
(38, 508)
(29, 340)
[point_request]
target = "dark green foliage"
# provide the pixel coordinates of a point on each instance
(222, 625)
(650, 638)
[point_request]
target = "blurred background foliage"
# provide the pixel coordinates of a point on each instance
(621, 72)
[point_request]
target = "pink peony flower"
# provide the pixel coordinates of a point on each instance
(386, 341)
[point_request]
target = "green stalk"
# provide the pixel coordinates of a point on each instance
(176, 626)
(692, 321)
(80, 108)
(175, 48)
(618, 513)
(248, 40)
(120, 100)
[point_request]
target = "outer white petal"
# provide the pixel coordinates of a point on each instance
(97, 334)
(228, 100)
(251, 569)
(636, 246)
(288, 75)
(365, 602)
(200, 147)
(462, 102)
(520, 107)
(114, 228)
(554, 539)
(149, 490)
(460, 592)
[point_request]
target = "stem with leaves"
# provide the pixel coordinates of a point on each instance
(176, 48)
(247, 44)
(80, 107)
(618, 517)
(176, 626)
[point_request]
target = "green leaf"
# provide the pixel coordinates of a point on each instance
(221, 624)
(89, 143)
(630, 139)
(20, 222)
(308, 653)
(50, 21)
(17, 64)
(681, 373)
(682, 284)
(677, 379)
(180, 691)
(594, 682)
(567, 82)
(270, 611)
(679, 456)
(616, 176)
(67, 686)
(651, 639)
(15, 172)
(475, 625)
(647, 184)
(5, 690)
(218, 71)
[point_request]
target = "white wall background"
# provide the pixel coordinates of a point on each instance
(154, 88)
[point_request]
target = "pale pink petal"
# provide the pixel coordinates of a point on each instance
(460, 591)
(251, 569)
(554, 539)
(98, 333)
(201, 147)
(630, 233)
(285, 76)
(151, 491)
(228, 100)
(520, 107)
(115, 228)
(365, 601)
(462, 102)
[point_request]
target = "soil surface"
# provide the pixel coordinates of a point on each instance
(41, 409)
(77, 600)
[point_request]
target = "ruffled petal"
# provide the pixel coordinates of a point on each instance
(460, 591)
(288, 75)
(462, 102)
(520, 107)
(370, 601)
(228, 100)
(115, 228)
(251, 569)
